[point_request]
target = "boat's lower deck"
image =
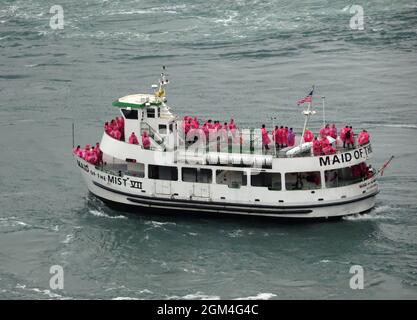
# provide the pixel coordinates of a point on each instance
(143, 195)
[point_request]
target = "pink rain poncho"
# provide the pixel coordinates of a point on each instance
(291, 138)
(333, 131)
(98, 153)
(285, 136)
(265, 137)
(232, 125)
(195, 123)
(116, 134)
(146, 141)
(120, 123)
(316, 147)
(107, 128)
(187, 126)
(343, 133)
(351, 140)
(325, 131)
(76, 150)
(363, 137)
(133, 139)
(308, 136)
(279, 136)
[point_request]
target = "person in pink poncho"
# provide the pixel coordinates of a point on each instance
(363, 137)
(333, 131)
(343, 132)
(120, 123)
(275, 137)
(133, 139)
(76, 150)
(351, 141)
(107, 128)
(99, 153)
(291, 138)
(285, 137)
(232, 125)
(265, 138)
(146, 141)
(325, 131)
(308, 136)
(317, 148)
(195, 123)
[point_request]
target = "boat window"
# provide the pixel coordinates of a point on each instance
(135, 169)
(159, 112)
(171, 127)
(345, 176)
(271, 180)
(302, 180)
(233, 179)
(130, 114)
(150, 112)
(162, 128)
(196, 175)
(163, 172)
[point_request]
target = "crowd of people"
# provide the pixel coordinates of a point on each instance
(146, 141)
(190, 123)
(115, 128)
(282, 137)
(91, 154)
(322, 145)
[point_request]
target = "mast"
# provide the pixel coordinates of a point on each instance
(273, 136)
(324, 112)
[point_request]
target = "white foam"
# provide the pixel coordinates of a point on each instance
(98, 213)
(68, 238)
(46, 292)
(158, 224)
(367, 216)
(259, 296)
(125, 298)
(236, 233)
(12, 222)
(196, 296)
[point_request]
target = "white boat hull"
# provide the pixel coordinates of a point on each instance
(123, 199)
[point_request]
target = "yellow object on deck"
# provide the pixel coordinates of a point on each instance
(160, 93)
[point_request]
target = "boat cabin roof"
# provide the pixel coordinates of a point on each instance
(137, 101)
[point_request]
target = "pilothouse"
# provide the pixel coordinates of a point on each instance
(150, 159)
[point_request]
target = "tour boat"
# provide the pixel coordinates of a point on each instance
(166, 168)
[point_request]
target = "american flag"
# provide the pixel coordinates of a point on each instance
(308, 98)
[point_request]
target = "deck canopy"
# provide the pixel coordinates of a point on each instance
(138, 101)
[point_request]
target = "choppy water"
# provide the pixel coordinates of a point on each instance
(249, 59)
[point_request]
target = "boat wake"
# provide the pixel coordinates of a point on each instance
(259, 296)
(379, 213)
(157, 224)
(195, 296)
(98, 213)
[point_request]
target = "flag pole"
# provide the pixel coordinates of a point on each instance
(273, 136)
(324, 112)
(307, 114)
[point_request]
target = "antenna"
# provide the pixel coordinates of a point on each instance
(73, 142)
